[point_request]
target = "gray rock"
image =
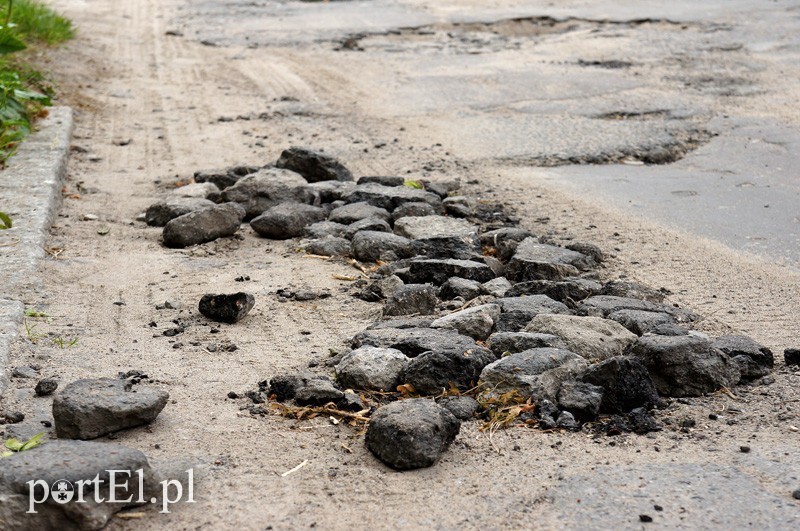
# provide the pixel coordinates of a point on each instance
(581, 399)
(462, 407)
(87, 409)
(321, 229)
(380, 289)
(605, 305)
(226, 308)
(411, 434)
(372, 246)
(353, 212)
(457, 247)
(161, 213)
(513, 342)
(329, 246)
(791, 356)
(287, 220)
(458, 206)
(518, 311)
(372, 368)
(567, 291)
(203, 226)
(46, 386)
(413, 209)
(267, 188)
(497, 287)
(442, 188)
(197, 190)
(317, 392)
(369, 224)
(495, 237)
(589, 249)
(284, 387)
(313, 165)
(412, 299)
(685, 365)
(72, 461)
(331, 191)
(567, 421)
(460, 287)
(593, 338)
(225, 177)
(476, 322)
(419, 227)
(633, 290)
(437, 271)
(754, 359)
(414, 341)
(625, 382)
(391, 197)
(537, 261)
(641, 322)
(433, 372)
(537, 372)
(383, 180)
(24, 371)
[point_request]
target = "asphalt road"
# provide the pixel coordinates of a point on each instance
(683, 112)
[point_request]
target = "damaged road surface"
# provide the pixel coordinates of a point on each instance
(400, 264)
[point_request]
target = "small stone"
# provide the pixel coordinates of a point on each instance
(433, 372)
(433, 226)
(351, 402)
(512, 342)
(46, 386)
(796, 494)
(24, 371)
(580, 398)
(591, 337)
(205, 190)
(203, 226)
(537, 261)
(589, 249)
(331, 191)
(476, 322)
(14, 417)
(754, 359)
(791, 356)
(353, 212)
(641, 322)
(497, 287)
(642, 422)
(744, 449)
(411, 434)
(519, 311)
(537, 372)
(460, 287)
(625, 382)
(321, 229)
(266, 188)
(645, 518)
(368, 224)
(391, 197)
(313, 165)
(372, 246)
(287, 220)
(567, 290)
(567, 421)
(632, 290)
(329, 246)
(383, 180)
(412, 299)
(317, 392)
(605, 305)
(226, 308)
(413, 209)
(437, 272)
(462, 407)
(87, 409)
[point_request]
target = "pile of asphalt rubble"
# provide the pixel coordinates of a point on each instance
(478, 312)
(479, 315)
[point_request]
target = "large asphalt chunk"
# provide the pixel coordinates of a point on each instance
(593, 338)
(538, 372)
(371, 246)
(433, 372)
(391, 197)
(754, 359)
(226, 308)
(439, 271)
(89, 408)
(267, 188)
(313, 165)
(411, 434)
(161, 213)
(203, 226)
(518, 311)
(538, 261)
(371, 368)
(419, 227)
(412, 299)
(287, 220)
(625, 382)
(685, 365)
(72, 461)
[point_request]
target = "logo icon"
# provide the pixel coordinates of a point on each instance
(62, 491)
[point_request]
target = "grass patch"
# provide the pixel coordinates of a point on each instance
(35, 22)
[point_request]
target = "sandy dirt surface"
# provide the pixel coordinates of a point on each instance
(152, 108)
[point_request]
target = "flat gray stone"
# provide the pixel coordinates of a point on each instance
(391, 197)
(204, 225)
(329, 246)
(641, 322)
(87, 409)
(518, 311)
(538, 261)
(287, 220)
(594, 338)
(197, 190)
(512, 342)
(537, 372)
(372, 368)
(412, 299)
(321, 229)
(417, 228)
(353, 212)
(413, 209)
(314, 166)
(476, 322)
(372, 246)
(159, 214)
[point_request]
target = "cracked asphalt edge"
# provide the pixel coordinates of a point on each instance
(30, 192)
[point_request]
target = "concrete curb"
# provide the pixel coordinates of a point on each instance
(30, 192)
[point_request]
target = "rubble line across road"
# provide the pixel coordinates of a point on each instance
(30, 192)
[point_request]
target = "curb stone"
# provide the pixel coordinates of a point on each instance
(30, 192)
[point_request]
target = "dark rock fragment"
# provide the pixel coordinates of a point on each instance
(226, 308)
(313, 165)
